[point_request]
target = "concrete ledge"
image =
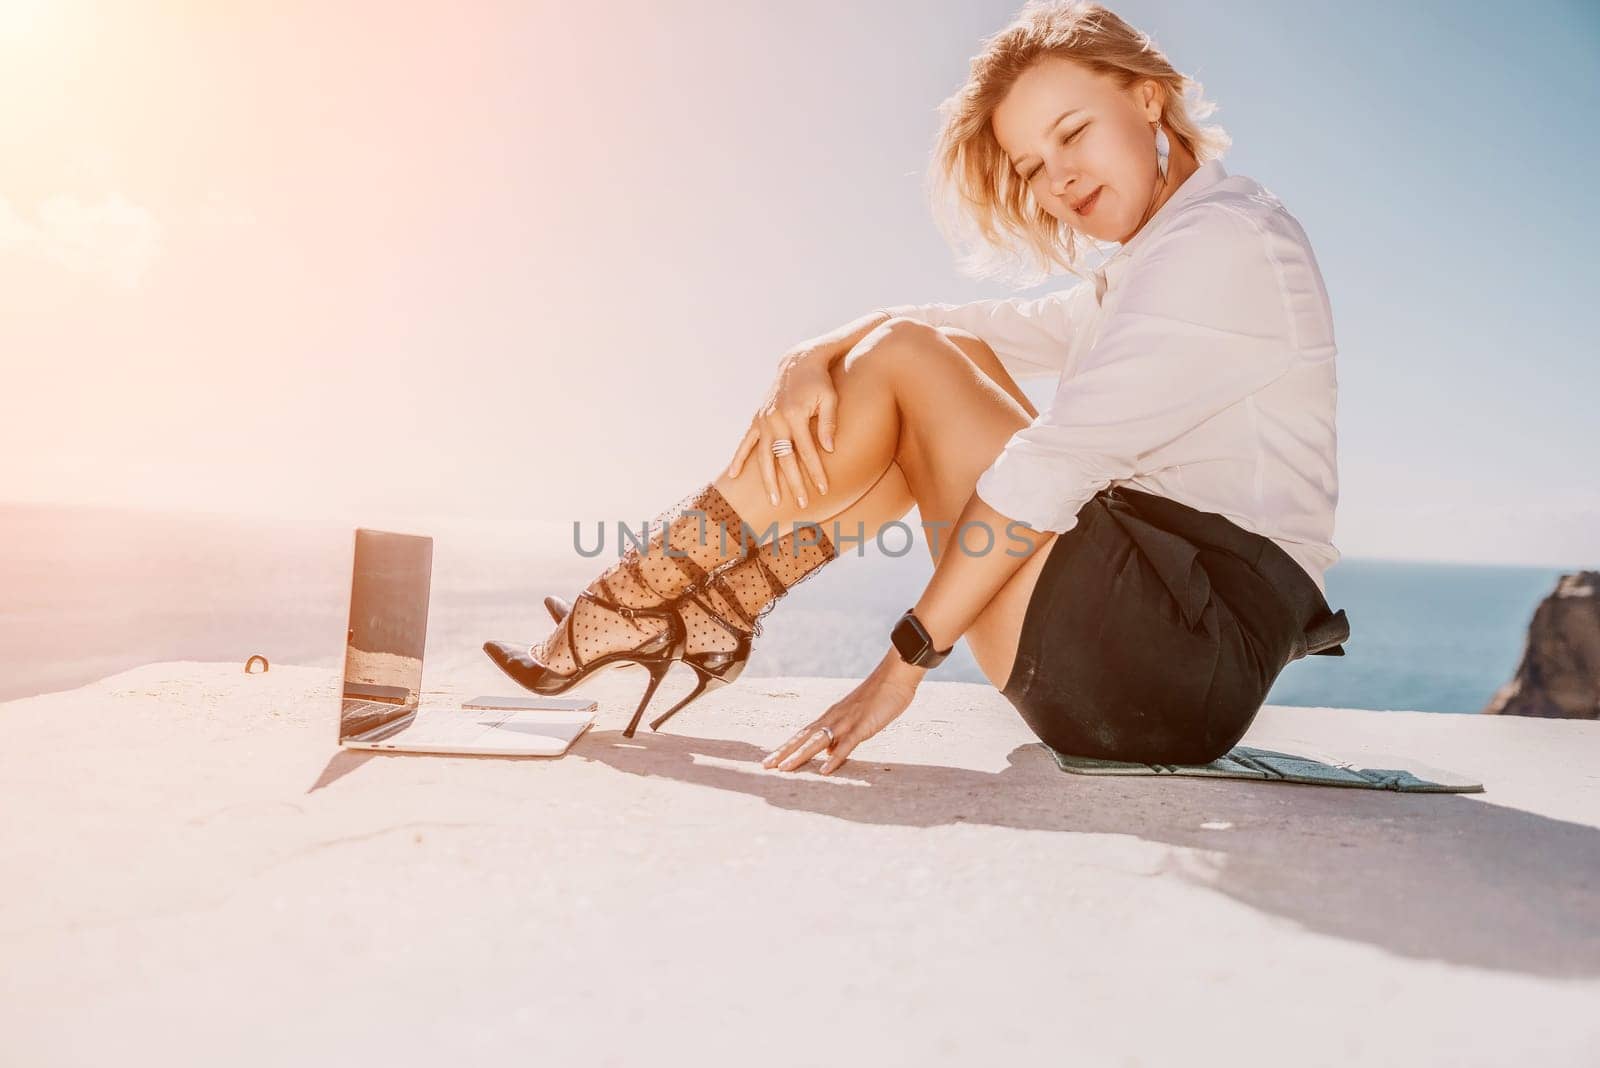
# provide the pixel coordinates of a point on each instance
(194, 872)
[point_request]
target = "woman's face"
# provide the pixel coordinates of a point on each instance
(1082, 142)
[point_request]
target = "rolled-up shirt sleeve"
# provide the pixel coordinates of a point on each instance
(1030, 337)
(1201, 323)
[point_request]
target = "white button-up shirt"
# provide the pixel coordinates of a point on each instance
(1197, 364)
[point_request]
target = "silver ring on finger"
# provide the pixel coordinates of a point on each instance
(782, 447)
(829, 732)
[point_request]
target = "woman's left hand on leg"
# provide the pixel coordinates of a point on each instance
(854, 718)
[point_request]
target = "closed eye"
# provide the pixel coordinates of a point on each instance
(1065, 141)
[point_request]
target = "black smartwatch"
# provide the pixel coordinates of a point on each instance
(914, 644)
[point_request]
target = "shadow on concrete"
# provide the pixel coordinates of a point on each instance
(1430, 876)
(341, 764)
(345, 761)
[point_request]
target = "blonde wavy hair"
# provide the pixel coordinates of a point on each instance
(985, 210)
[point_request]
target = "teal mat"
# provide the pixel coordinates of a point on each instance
(1243, 762)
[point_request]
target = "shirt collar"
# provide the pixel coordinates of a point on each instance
(1205, 176)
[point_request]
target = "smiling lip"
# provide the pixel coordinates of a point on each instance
(1086, 205)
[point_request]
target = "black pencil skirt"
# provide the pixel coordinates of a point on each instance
(1156, 630)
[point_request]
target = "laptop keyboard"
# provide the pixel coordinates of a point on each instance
(357, 716)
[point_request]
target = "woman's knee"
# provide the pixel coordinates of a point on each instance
(889, 346)
(943, 361)
(978, 351)
(927, 364)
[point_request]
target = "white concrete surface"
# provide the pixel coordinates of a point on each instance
(194, 875)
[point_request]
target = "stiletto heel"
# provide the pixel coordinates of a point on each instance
(716, 668)
(738, 590)
(713, 669)
(656, 655)
(658, 671)
(709, 682)
(702, 685)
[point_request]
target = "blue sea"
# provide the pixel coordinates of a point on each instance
(89, 592)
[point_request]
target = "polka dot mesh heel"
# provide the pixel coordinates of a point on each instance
(690, 595)
(722, 620)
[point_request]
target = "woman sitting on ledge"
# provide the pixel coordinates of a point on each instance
(1136, 564)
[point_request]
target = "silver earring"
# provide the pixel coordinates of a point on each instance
(1163, 150)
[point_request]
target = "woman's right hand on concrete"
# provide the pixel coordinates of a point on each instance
(803, 389)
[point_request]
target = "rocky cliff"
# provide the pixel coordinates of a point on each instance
(1560, 671)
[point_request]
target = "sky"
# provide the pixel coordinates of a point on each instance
(538, 261)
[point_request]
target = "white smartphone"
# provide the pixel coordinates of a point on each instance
(534, 703)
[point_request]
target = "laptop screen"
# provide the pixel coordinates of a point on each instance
(388, 628)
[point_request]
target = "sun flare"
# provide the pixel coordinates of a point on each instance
(21, 19)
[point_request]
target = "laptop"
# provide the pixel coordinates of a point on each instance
(382, 705)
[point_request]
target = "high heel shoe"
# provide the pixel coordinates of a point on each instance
(602, 627)
(694, 589)
(714, 668)
(746, 590)
(655, 655)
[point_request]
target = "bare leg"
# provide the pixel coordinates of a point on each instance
(922, 413)
(890, 498)
(913, 399)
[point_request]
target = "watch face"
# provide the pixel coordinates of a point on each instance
(907, 641)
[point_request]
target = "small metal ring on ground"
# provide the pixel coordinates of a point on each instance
(265, 667)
